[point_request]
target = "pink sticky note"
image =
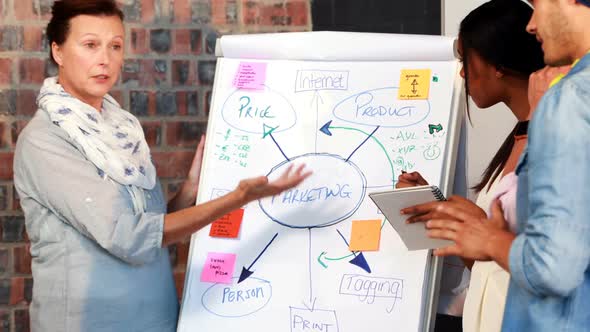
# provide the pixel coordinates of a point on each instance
(250, 75)
(219, 268)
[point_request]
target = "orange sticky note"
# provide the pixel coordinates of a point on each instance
(227, 226)
(365, 235)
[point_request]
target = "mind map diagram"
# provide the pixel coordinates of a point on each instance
(397, 133)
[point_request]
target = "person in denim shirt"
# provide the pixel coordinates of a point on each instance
(549, 256)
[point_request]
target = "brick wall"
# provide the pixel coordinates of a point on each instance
(166, 81)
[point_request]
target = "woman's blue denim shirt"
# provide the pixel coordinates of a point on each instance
(97, 263)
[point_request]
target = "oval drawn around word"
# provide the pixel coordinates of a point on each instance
(380, 107)
(252, 111)
(331, 194)
(237, 300)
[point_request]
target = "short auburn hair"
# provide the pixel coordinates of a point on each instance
(63, 11)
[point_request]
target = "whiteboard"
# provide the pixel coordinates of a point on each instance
(346, 122)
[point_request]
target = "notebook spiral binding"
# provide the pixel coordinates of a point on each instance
(438, 194)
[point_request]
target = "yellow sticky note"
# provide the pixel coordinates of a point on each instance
(414, 84)
(365, 235)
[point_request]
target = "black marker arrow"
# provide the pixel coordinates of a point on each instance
(358, 260)
(358, 147)
(246, 271)
(267, 131)
(326, 128)
(414, 83)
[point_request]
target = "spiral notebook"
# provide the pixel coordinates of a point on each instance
(413, 235)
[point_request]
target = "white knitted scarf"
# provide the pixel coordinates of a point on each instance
(112, 139)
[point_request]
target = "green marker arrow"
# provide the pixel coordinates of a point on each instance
(330, 259)
(267, 130)
(432, 128)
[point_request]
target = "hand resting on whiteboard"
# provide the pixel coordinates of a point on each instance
(184, 222)
(187, 195)
(412, 179)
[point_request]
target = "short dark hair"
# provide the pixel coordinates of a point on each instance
(63, 11)
(496, 31)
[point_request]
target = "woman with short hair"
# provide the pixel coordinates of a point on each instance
(94, 209)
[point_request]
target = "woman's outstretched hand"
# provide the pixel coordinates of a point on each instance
(183, 222)
(259, 187)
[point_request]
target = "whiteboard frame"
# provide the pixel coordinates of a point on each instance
(434, 268)
(210, 133)
(436, 265)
